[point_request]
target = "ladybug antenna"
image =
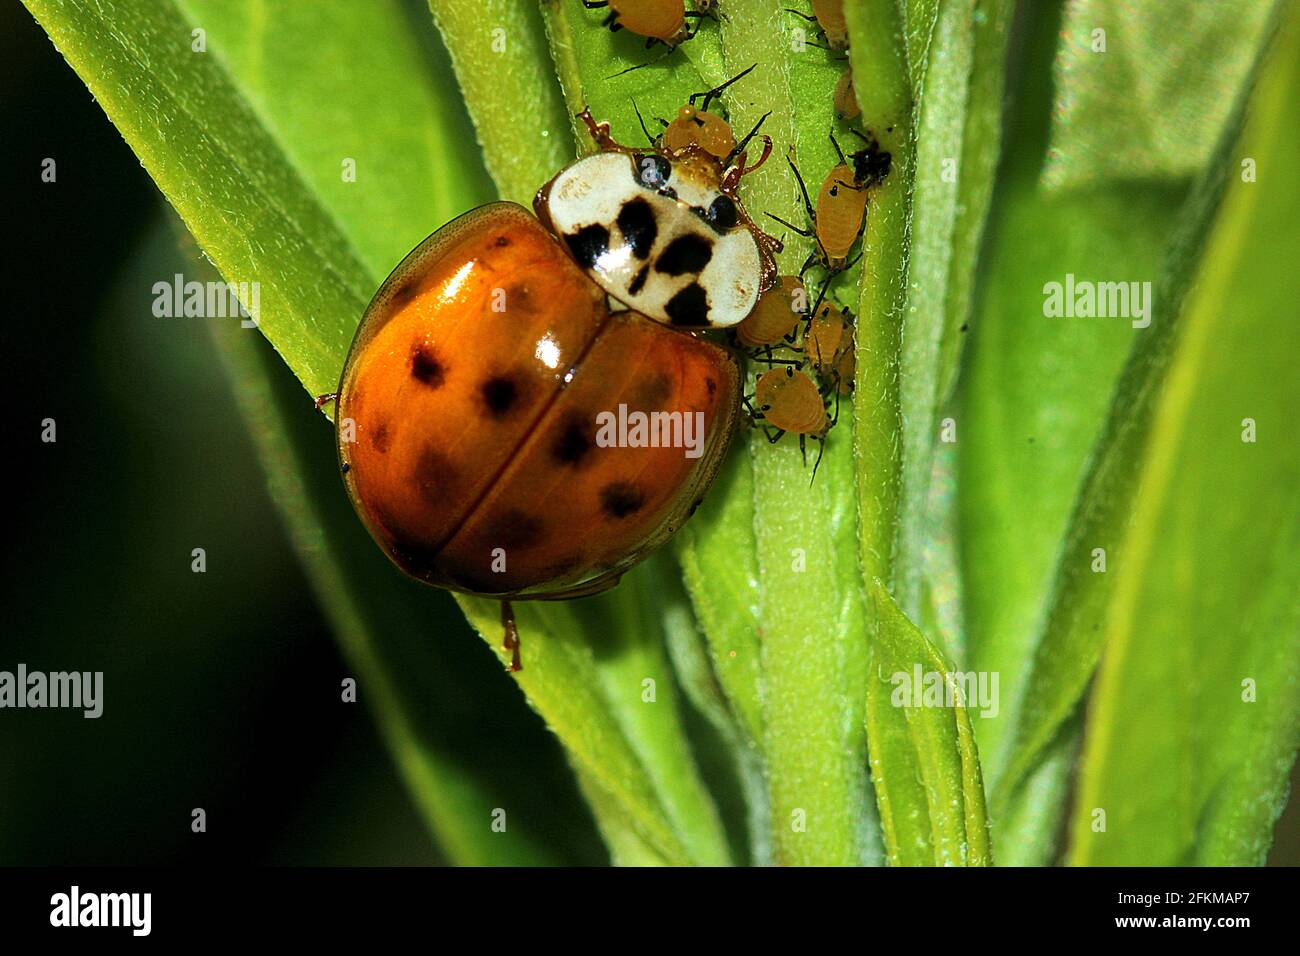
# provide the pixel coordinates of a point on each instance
(711, 95)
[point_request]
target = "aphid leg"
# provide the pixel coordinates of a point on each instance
(510, 641)
(772, 439)
(800, 13)
(821, 439)
(803, 449)
(323, 400)
(812, 260)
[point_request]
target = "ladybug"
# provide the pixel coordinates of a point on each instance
(485, 412)
(841, 210)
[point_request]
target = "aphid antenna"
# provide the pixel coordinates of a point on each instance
(710, 95)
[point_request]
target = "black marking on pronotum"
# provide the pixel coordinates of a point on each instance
(427, 367)
(588, 244)
(621, 498)
(687, 254)
(381, 439)
(638, 281)
(499, 395)
(689, 306)
(637, 223)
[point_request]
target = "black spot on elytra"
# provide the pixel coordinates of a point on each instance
(637, 223)
(588, 244)
(690, 306)
(685, 254)
(574, 440)
(500, 395)
(514, 530)
(500, 242)
(427, 367)
(651, 392)
(711, 385)
(565, 565)
(404, 293)
(381, 439)
(435, 473)
(621, 499)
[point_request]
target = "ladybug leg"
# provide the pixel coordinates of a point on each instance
(323, 400)
(510, 641)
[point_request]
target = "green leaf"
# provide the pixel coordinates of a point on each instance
(1194, 720)
(957, 148)
(1143, 89)
(923, 760)
(499, 50)
(1087, 606)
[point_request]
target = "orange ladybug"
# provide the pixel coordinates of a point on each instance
(503, 431)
